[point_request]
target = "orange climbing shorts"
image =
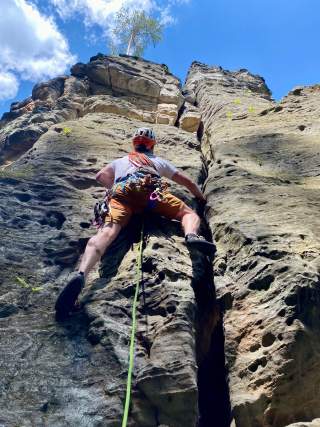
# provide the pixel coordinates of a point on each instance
(123, 205)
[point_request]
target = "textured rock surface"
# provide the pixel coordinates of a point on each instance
(190, 118)
(263, 202)
(75, 374)
(259, 161)
(143, 90)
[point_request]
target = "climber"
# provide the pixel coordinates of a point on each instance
(134, 185)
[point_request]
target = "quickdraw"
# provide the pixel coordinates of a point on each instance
(101, 210)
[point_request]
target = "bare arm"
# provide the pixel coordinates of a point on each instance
(184, 180)
(106, 176)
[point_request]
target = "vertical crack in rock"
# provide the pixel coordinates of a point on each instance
(214, 400)
(214, 404)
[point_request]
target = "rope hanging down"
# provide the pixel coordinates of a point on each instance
(133, 329)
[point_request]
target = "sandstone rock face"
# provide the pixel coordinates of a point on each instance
(126, 86)
(75, 373)
(190, 118)
(258, 162)
(263, 202)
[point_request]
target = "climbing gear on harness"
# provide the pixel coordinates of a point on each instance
(198, 242)
(157, 194)
(144, 136)
(101, 210)
(68, 296)
(141, 180)
(133, 328)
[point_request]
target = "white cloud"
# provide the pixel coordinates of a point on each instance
(32, 48)
(101, 12)
(9, 86)
(98, 12)
(165, 16)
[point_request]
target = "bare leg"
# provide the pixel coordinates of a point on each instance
(189, 219)
(97, 245)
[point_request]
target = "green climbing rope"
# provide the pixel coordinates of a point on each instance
(133, 329)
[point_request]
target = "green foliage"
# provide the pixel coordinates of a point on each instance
(66, 131)
(134, 30)
(166, 68)
(23, 173)
(22, 282)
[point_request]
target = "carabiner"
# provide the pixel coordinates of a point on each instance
(154, 196)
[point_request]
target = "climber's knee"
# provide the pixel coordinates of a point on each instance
(186, 211)
(105, 237)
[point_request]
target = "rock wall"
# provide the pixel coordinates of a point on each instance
(258, 162)
(263, 200)
(75, 373)
(145, 91)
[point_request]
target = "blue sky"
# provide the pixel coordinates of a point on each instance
(278, 39)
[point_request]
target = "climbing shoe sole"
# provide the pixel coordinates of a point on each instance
(67, 298)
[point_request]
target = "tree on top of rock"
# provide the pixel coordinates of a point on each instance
(133, 31)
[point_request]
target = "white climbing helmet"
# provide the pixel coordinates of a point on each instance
(144, 136)
(145, 132)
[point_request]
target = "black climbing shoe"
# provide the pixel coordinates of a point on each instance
(67, 298)
(200, 243)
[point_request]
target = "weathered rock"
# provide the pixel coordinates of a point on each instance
(263, 203)
(167, 114)
(49, 91)
(262, 162)
(190, 118)
(171, 94)
(107, 104)
(76, 372)
(126, 86)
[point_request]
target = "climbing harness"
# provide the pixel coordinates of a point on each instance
(133, 328)
(140, 180)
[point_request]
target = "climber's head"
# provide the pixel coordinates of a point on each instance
(144, 140)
